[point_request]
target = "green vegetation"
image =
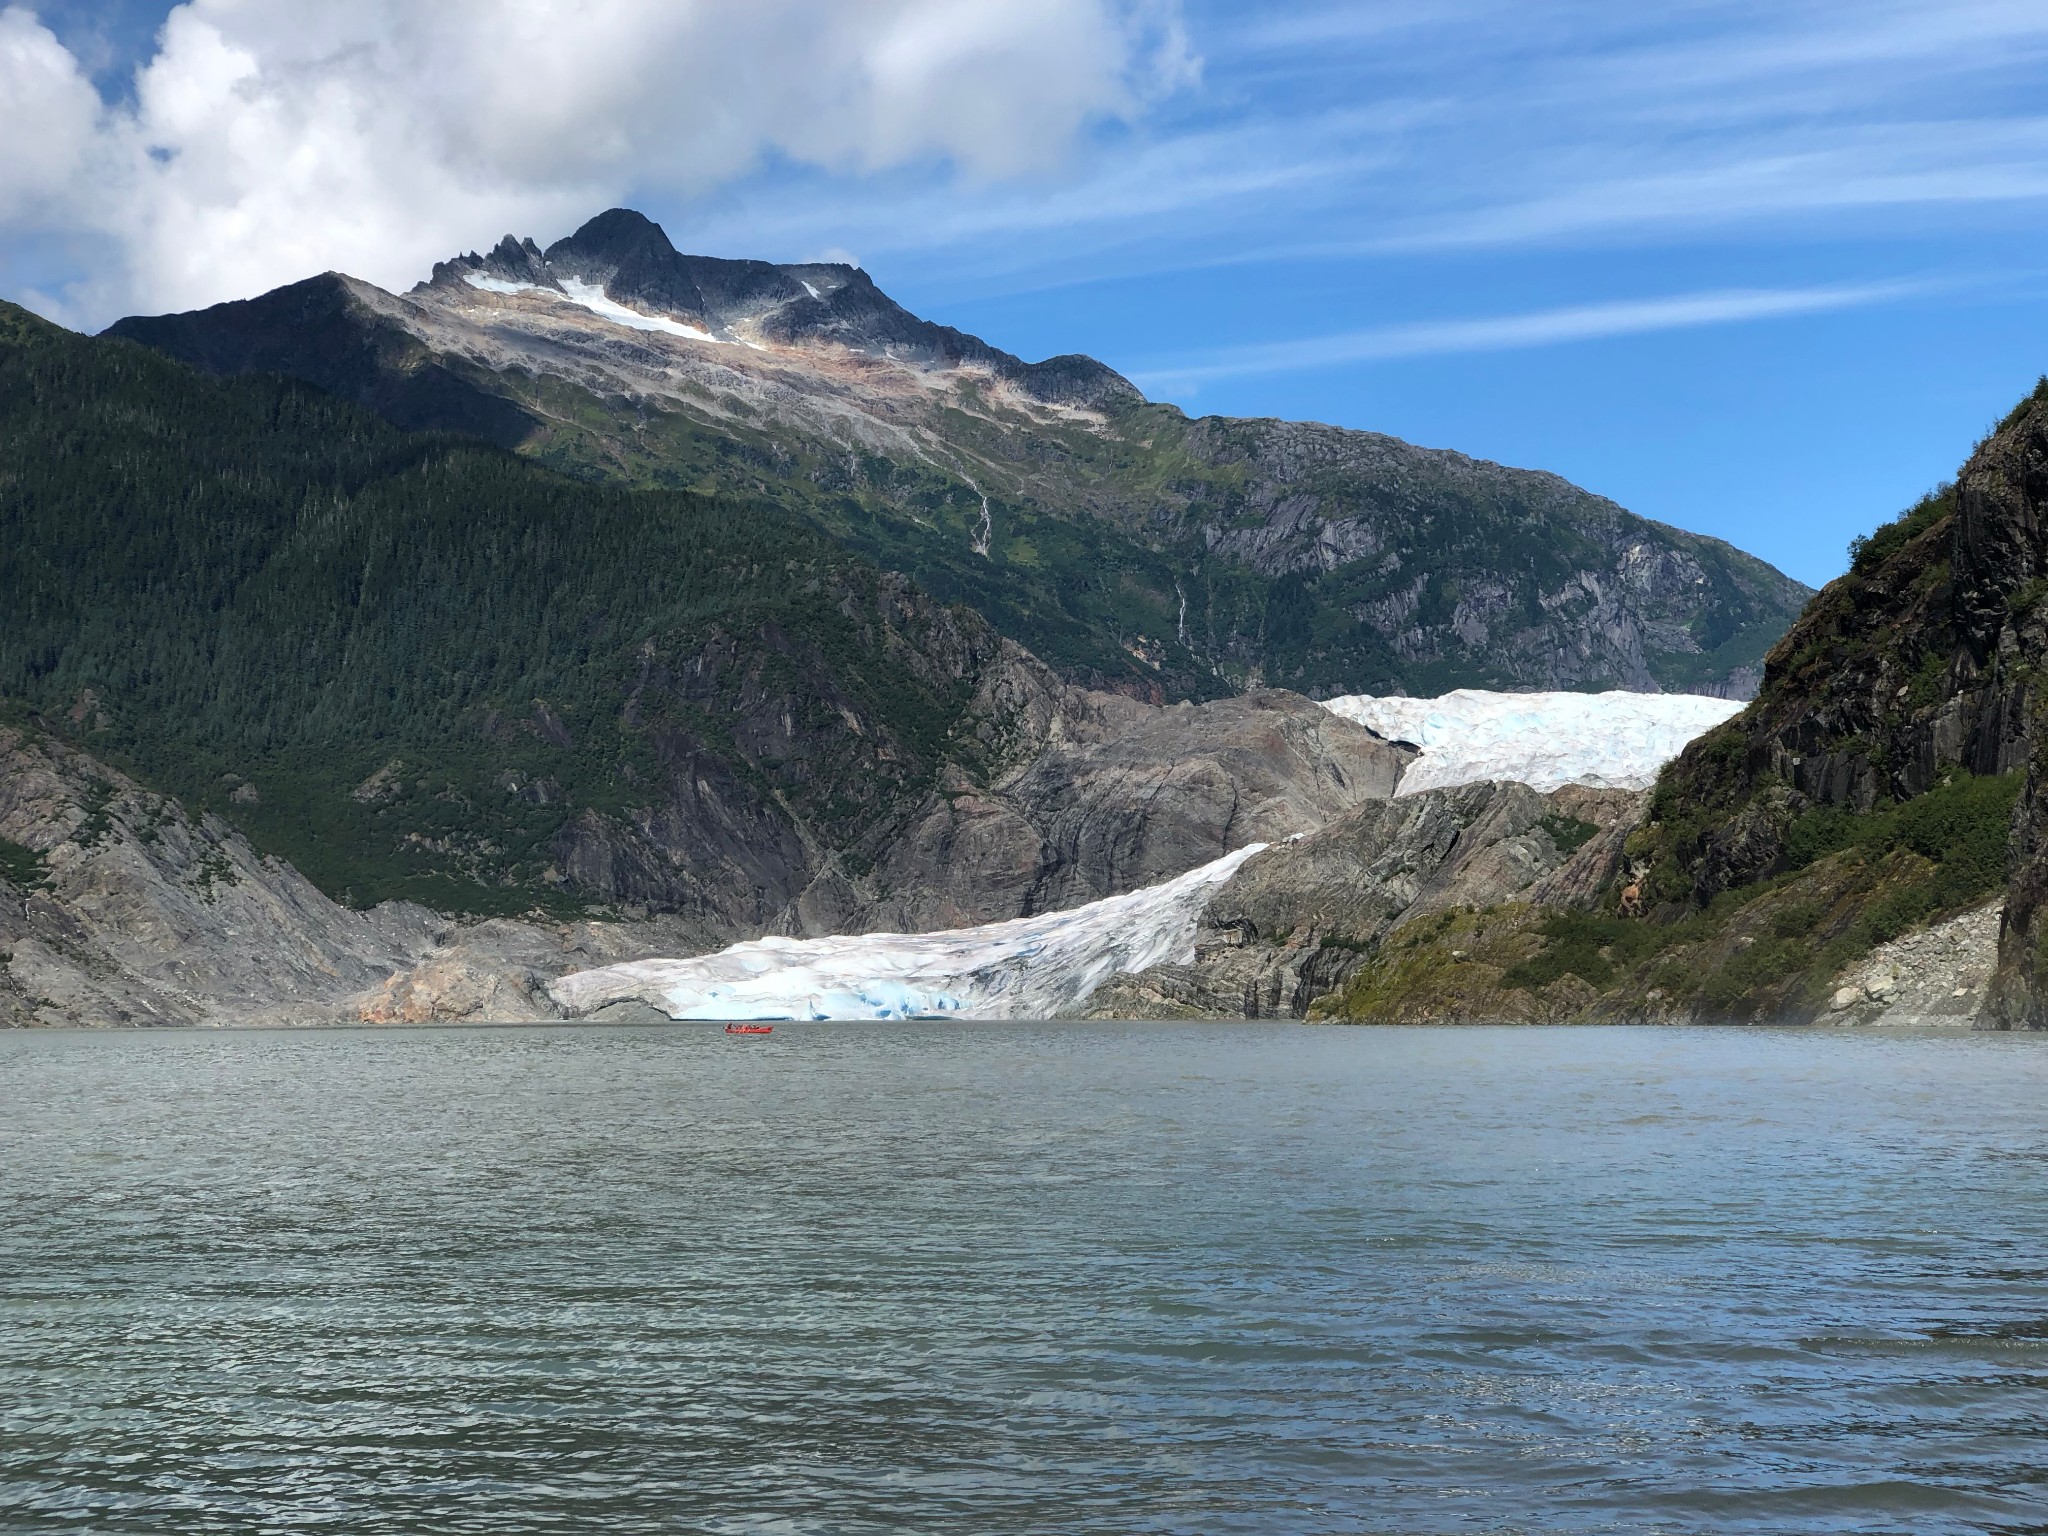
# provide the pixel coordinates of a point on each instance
(1076, 591)
(1590, 946)
(2038, 396)
(1142, 551)
(22, 868)
(1961, 826)
(258, 584)
(1851, 881)
(1568, 832)
(1868, 551)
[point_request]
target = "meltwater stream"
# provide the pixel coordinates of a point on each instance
(1023, 1278)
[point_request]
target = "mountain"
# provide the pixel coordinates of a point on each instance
(1843, 848)
(1129, 546)
(421, 668)
(1898, 729)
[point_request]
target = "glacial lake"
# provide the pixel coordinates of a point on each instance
(1024, 1278)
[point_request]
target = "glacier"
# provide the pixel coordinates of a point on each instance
(1027, 967)
(1545, 740)
(1048, 965)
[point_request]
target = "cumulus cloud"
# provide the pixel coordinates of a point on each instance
(49, 115)
(268, 139)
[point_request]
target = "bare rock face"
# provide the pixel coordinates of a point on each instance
(775, 774)
(1121, 795)
(498, 971)
(2001, 555)
(117, 908)
(1052, 796)
(1298, 919)
(458, 984)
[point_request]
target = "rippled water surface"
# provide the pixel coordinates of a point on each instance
(1058, 1278)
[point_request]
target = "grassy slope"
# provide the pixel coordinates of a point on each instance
(1767, 949)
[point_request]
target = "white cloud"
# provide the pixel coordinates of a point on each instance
(1500, 333)
(1157, 185)
(1490, 128)
(269, 139)
(48, 114)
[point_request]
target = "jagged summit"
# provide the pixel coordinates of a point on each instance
(626, 258)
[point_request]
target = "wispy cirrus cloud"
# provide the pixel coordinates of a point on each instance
(1500, 333)
(1398, 128)
(1871, 172)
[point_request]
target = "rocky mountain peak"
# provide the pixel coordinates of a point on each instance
(620, 234)
(626, 258)
(511, 260)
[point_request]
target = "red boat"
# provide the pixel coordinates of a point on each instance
(750, 1029)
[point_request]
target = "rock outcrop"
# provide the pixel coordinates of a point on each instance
(1937, 976)
(1052, 796)
(1105, 795)
(1300, 918)
(1918, 670)
(118, 908)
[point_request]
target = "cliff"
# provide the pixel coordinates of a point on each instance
(1868, 813)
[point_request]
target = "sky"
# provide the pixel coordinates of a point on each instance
(1762, 270)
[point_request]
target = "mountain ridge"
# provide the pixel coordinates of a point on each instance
(1132, 547)
(631, 259)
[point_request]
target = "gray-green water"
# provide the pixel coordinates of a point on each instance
(1059, 1278)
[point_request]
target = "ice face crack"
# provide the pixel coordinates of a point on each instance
(1028, 967)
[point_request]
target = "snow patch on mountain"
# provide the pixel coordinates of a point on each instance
(594, 299)
(1028, 967)
(601, 304)
(1545, 740)
(501, 284)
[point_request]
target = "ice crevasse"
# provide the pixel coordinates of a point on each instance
(1027, 967)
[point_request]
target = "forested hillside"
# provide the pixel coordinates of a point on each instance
(1124, 543)
(416, 665)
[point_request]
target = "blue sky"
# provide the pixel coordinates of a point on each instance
(1761, 270)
